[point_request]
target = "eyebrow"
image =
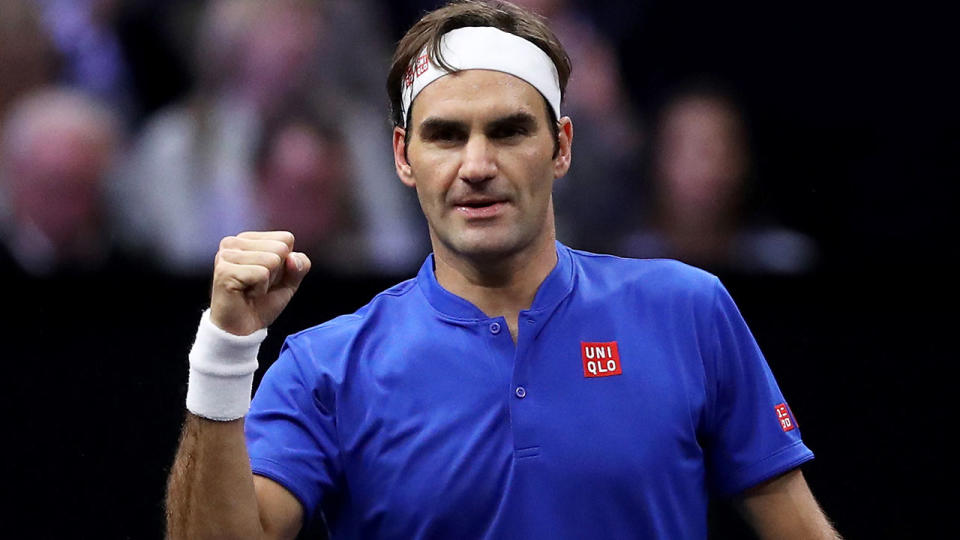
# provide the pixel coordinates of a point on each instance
(521, 119)
(433, 125)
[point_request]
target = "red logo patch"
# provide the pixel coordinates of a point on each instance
(418, 68)
(783, 415)
(600, 359)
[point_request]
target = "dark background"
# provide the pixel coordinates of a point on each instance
(854, 118)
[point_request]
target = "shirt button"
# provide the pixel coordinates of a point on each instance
(495, 328)
(531, 321)
(521, 392)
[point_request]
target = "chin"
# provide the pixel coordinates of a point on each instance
(487, 246)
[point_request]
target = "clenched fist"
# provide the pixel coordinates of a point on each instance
(254, 277)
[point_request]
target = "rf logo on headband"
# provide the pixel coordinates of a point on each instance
(600, 359)
(418, 68)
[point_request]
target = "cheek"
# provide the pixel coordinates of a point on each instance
(539, 172)
(431, 199)
(433, 174)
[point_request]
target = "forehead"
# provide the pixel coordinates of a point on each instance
(476, 94)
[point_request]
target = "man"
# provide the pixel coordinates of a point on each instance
(303, 173)
(514, 388)
(701, 176)
(57, 147)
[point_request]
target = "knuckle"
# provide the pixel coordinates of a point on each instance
(227, 241)
(234, 283)
(275, 261)
(279, 248)
(220, 274)
(228, 254)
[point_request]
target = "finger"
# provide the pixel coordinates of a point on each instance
(268, 259)
(297, 265)
(248, 244)
(281, 236)
(247, 278)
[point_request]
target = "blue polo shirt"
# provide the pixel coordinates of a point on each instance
(634, 392)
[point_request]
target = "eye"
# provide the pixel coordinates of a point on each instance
(445, 135)
(506, 132)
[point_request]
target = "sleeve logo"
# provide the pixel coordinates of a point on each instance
(600, 359)
(783, 415)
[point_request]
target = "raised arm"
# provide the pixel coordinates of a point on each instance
(212, 491)
(783, 508)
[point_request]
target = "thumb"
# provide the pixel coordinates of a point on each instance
(295, 268)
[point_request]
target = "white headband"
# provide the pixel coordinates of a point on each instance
(484, 47)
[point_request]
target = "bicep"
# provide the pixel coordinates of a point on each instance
(784, 507)
(281, 514)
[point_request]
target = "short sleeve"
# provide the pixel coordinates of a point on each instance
(752, 433)
(291, 430)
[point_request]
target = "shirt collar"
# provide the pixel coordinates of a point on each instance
(554, 288)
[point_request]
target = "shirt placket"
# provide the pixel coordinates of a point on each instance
(524, 398)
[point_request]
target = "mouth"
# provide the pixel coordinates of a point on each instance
(480, 208)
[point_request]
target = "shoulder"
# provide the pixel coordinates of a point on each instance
(341, 333)
(653, 278)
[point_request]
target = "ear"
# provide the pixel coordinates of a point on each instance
(561, 163)
(404, 171)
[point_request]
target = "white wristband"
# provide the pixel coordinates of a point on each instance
(221, 371)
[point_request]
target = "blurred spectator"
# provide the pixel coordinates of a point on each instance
(591, 200)
(56, 151)
(701, 172)
(304, 186)
(190, 179)
(354, 58)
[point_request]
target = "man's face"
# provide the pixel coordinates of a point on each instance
(481, 157)
(57, 184)
(701, 159)
(302, 185)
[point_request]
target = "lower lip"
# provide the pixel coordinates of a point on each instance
(480, 212)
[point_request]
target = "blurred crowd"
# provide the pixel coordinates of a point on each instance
(135, 134)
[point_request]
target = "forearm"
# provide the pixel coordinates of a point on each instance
(211, 491)
(784, 508)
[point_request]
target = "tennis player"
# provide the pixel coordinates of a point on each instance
(515, 388)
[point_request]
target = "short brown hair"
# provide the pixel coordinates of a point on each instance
(462, 13)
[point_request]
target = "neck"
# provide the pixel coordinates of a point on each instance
(498, 286)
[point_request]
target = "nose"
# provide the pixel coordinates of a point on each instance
(479, 163)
